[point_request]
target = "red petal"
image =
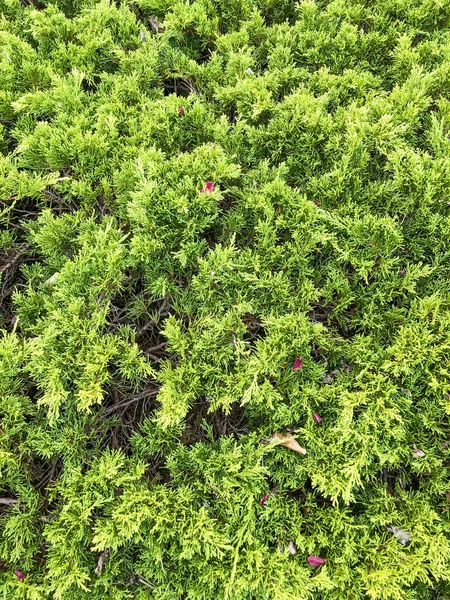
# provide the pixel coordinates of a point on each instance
(208, 187)
(20, 576)
(317, 418)
(181, 111)
(298, 364)
(264, 499)
(316, 561)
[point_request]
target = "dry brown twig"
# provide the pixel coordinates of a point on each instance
(8, 501)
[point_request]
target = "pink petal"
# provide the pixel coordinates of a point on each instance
(317, 418)
(316, 561)
(181, 111)
(298, 364)
(264, 499)
(208, 187)
(20, 576)
(402, 273)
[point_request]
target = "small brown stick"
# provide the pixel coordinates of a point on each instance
(136, 398)
(158, 347)
(144, 328)
(13, 261)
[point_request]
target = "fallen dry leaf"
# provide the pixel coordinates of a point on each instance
(101, 561)
(401, 534)
(156, 25)
(291, 547)
(52, 279)
(288, 441)
(417, 451)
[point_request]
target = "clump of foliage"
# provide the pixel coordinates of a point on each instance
(223, 220)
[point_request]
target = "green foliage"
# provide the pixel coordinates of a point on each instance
(150, 324)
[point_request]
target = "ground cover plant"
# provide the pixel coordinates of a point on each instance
(225, 299)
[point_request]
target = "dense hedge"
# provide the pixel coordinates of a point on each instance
(222, 220)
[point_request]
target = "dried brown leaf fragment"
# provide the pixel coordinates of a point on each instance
(288, 441)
